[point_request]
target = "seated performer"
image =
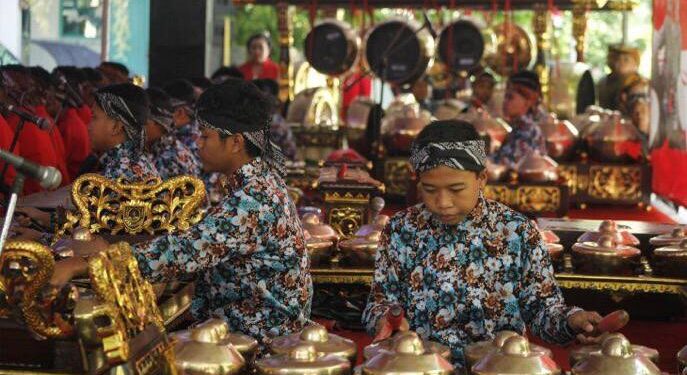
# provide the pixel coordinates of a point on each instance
(482, 91)
(34, 143)
(171, 157)
(461, 266)
(249, 251)
(522, 110)
(259, 64)
(117, 132)
(182, 93)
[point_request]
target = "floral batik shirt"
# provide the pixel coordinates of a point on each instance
(525, 138)
(172, 158)
(124, 160)
(460, 284)
(249, 256)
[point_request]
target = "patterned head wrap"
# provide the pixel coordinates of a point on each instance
(270, 152)
(467, 155)
(115, 107)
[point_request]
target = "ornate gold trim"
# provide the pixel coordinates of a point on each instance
(638, 284)
(150, 206)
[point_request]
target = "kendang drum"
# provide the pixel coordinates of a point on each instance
(462, 44)
(514, 50)
(398, 51)
(331, 47)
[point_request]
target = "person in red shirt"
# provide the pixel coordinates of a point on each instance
(6, 136)
(259, 65)
(355, 85)
(34, 143)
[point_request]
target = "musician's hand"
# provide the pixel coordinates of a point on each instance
(583, 323)
(66, 270)
(26, 234)
(87, 248)
(384, 329)
(40, 217)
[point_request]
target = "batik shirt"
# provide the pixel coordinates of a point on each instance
(525, 138)
(124, 160)
(463, 283)
(249, 255)
(172, 158)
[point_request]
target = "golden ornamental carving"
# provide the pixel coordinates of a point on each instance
(501, 194)
(347, 197)
(397, 176)
(568, 173)
(117, 280)
(538, 198)
(25, 270)
(147, 207)
(346, 220)
(615, 182)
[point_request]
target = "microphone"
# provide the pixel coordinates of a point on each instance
(39, 121)
(48, 177)
(78, 102)
(428, 25)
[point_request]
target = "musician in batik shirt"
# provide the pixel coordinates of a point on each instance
(171, 157)
(117, 132)
(522, 109)
(249, 251)
(187, 129)
(461, 266)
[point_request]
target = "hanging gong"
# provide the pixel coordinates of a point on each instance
(571, 89)
(398, 51)
(462, 45)
(514, 50)
(331, 47)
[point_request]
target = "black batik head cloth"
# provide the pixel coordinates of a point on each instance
(239, 107)
(446, 143)
(161, 108)
(132, 111)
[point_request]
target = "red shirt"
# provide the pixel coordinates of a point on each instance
(75, 134)
(85, 114)
(270, 70)
(36, 146)
(363, 87)
(57, 144)
(6, 136)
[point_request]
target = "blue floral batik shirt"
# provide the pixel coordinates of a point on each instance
(463, 283)
(125, 160)
(173, 158)
(525, 138)
(249, 256)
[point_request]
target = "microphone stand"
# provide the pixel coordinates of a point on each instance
(17, 187)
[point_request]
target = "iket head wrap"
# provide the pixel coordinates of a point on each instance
(128, 104)
(453, 143)
(239, 107)
(161, 109)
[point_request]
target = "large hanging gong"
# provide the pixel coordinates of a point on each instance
(462, 45)
(398, 51)
(331, 47)
(572, 89)
(514, 50)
